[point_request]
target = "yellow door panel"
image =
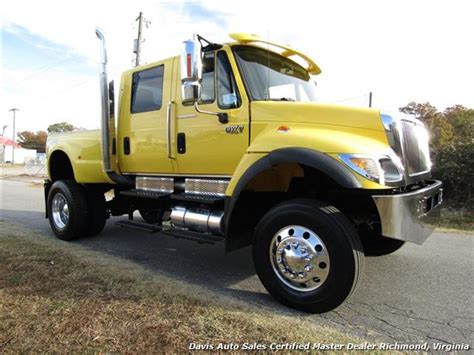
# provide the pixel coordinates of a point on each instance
(142, 133)
(214, 148)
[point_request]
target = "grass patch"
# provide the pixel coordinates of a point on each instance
(459, 218)
(61, 297)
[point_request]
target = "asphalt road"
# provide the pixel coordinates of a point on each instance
(418, 294)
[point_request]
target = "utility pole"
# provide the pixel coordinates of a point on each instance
(138, 41)
(14, 133)
(370, 99)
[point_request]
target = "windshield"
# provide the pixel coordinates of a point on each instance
(270, 76)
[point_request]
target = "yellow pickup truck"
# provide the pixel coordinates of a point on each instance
(227, 143)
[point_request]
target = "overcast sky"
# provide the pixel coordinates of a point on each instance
(401, 50)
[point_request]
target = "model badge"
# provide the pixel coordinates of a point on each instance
(234, 129)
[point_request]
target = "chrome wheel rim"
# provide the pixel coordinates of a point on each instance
(60, 211)
(299, 258)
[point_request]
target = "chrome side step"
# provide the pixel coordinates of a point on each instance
(146, 227)
(201, 238)
(197, 198)
(144, 194)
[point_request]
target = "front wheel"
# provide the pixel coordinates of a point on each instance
(307, 255)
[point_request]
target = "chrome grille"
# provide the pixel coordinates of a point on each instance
(415, 147)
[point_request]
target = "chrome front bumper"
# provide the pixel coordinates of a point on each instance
(411, 216)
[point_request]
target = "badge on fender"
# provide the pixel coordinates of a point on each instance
(236, 129)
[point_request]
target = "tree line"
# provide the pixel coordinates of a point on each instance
(37, 140)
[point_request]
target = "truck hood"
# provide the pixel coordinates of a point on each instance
(316, 113)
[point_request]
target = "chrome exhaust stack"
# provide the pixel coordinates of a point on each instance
(105, 102)
(107, 120)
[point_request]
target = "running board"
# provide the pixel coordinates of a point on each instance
(151, 228)
(207, 199)
(144, 194)
(202, 238)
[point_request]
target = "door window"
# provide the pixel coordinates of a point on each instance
(147, 90)
(227, 93)
(217, 77)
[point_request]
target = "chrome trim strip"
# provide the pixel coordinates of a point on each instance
(168, 128)
(158, 184)
(210, 187)
(191, 115)
(405, 216)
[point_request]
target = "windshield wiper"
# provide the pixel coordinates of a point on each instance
(282, 99)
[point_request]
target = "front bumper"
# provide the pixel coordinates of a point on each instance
(411, 216)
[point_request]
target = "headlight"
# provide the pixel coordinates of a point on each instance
(382, 168)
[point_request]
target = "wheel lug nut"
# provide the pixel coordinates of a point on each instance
(308, 268)
(280, 250)
(301, 275)
(279, 260)
(303, 250)
(292, 275)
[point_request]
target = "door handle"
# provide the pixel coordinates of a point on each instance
(181, 143)
(126, 145)
(168, 128)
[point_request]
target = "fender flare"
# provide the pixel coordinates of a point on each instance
(305, 156)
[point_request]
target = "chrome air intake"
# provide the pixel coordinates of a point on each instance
(198, 219)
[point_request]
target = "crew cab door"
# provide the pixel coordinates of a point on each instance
(205, 146)
(142, 131)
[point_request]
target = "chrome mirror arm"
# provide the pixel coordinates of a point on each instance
(223, 117)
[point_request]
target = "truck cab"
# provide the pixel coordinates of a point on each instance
(228, 144)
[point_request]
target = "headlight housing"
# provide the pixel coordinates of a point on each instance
(385, 169)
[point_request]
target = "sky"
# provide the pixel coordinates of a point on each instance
(401, 50)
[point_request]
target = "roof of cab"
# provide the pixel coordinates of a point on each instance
(287, 51)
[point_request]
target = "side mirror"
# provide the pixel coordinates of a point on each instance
(191, 71)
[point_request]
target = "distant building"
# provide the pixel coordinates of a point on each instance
(21, 154)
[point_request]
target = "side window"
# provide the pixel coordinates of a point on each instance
(227, 93)
(147, 90)
(207, 84)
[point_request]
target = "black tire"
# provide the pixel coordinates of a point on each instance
(341, 241)
(376, 245)
(97, 214)
(151, 216)
(75, 197)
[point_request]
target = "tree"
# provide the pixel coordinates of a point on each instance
(61, 127)
(32, 140)
(452, 148)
